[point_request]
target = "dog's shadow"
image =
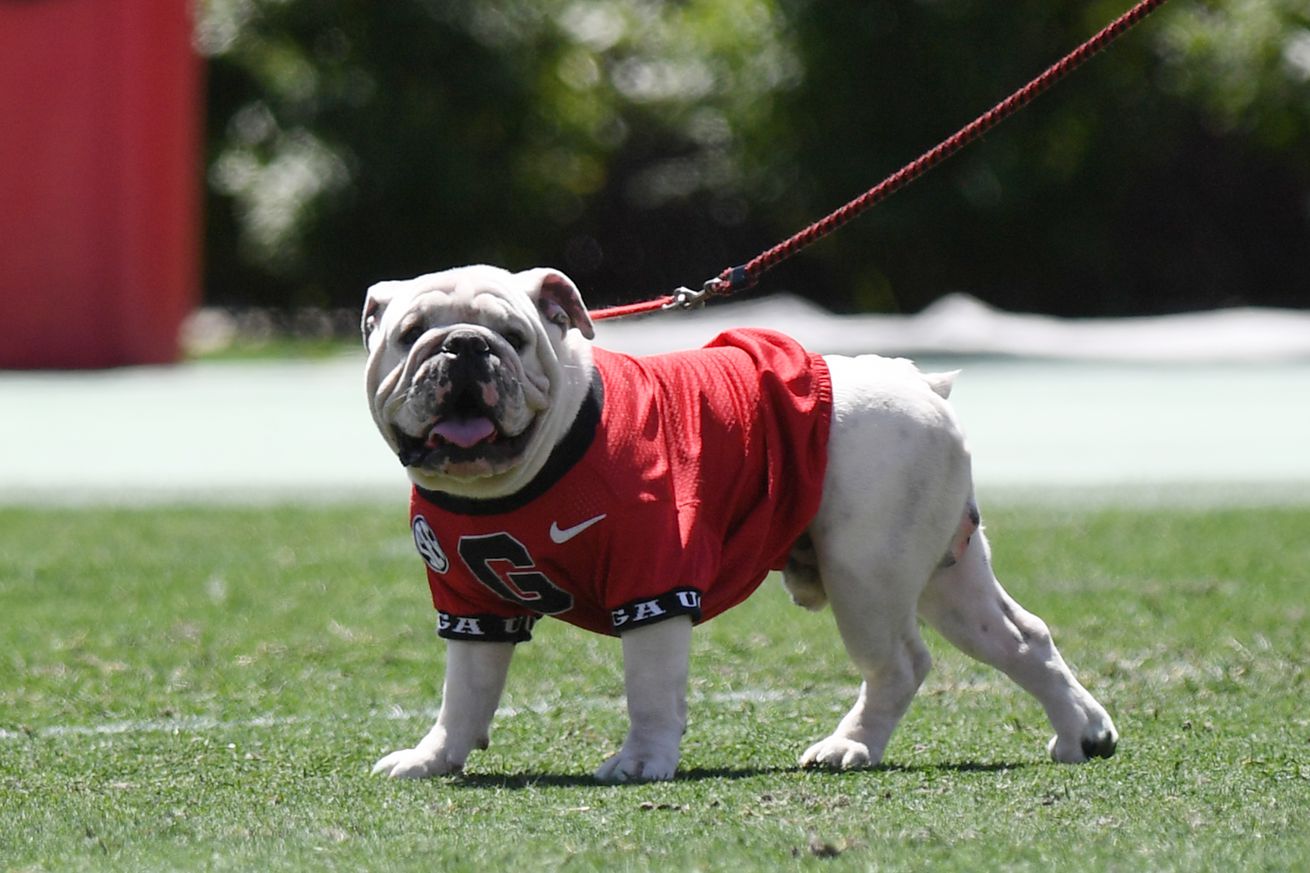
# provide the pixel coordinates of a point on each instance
(523, 781)
(586, 780)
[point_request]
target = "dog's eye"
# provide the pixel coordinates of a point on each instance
(516, 340)
(412, 334)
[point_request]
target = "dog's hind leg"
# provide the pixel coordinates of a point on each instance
(882, 638)
(873, 579)
(968, 606)
(898, 474)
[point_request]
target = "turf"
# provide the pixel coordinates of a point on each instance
(207, 688)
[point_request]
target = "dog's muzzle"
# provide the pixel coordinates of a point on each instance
(460, 391)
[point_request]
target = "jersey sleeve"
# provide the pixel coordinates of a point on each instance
(660, 571)
(466, 609)
(482, 619)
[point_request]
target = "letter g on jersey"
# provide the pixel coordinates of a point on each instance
(425, 540)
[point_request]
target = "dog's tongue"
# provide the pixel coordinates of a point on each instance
(464, 432)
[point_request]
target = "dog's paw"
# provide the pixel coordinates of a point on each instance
(638, 766)
(416, 763)
(1091, 736)
(1096, 741)
(838, 753)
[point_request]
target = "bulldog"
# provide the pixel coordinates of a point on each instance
(640, 496)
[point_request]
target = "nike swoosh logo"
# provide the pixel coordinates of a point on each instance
(560, 537)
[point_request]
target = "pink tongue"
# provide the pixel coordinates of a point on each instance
(465, 432)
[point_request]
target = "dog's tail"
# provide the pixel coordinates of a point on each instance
(941, 383)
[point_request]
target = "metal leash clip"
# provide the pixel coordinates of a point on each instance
(686, 298)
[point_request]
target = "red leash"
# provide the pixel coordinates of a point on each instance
(738, 278)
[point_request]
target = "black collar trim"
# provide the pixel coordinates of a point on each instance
(563, 458)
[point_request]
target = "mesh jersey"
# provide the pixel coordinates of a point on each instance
(685, 478)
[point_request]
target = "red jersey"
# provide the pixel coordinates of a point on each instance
(685, 478)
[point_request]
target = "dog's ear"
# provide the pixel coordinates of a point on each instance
(559, 300)
(375, 303)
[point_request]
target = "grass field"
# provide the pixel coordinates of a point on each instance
(207, 688)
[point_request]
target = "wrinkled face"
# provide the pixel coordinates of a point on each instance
(464, 366)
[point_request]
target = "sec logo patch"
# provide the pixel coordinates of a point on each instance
(425, 540)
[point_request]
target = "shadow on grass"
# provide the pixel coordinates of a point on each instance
(943, 767)
(520, 781)
(586, 780)
(965, 767)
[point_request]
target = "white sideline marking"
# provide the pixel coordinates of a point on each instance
(205, 724)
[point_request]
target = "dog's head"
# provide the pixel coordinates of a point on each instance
(474, 373)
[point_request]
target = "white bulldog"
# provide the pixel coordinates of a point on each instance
(486, 386)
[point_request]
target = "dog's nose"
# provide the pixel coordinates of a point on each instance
(465, 342)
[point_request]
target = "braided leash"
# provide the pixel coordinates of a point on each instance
(736, 279)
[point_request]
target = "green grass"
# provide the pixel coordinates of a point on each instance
(207, 689)
(277, 349)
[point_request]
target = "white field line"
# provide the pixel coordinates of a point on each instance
(206, 724)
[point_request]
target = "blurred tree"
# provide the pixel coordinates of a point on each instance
(352, 141)
(1131, 188)
(641, 144)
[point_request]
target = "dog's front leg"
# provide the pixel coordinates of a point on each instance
(655, 663)
(475, 678)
